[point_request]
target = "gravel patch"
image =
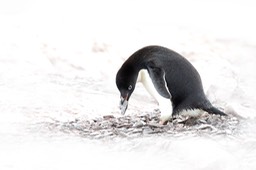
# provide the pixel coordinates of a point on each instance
(132, 126)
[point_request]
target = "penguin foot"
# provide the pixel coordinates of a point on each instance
(165, 119)
(163, 122)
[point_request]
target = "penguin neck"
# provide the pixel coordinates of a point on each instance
(141, 72)
(140, 77)
(144, 78)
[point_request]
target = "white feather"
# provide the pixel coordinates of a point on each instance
(165, 105)
(191, 112)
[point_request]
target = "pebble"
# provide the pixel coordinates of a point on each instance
(139, 124)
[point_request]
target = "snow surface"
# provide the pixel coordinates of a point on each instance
(58, 61)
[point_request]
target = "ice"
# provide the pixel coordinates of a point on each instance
(58, 62)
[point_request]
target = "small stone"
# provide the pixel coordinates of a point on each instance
(119, 133)
(139, 124)
(124, 125)
(147, 130)
(107, 117)
(210, 127)
(157, 125)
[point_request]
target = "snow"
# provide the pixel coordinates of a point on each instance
(58, 61)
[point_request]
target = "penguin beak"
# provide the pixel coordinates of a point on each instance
(123, 104)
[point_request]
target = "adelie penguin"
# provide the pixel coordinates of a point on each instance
(169, 77)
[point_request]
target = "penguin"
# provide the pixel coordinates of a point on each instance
(169, 78)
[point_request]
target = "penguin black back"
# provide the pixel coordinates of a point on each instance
(183, 85)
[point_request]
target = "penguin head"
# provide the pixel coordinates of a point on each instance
(125, 81)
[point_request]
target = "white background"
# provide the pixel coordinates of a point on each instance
(58, 61)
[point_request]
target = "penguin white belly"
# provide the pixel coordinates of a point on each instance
(165, 105)
(192, 112)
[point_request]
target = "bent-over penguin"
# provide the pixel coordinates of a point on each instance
(169, 77)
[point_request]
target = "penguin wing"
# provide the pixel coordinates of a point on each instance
(157, 76)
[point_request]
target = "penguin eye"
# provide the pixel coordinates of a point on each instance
(130, 87)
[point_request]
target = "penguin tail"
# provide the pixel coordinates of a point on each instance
(214, 110)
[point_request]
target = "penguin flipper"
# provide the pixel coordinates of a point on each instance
(157, 76)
